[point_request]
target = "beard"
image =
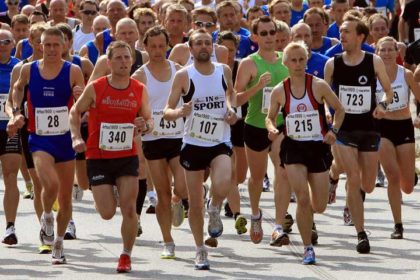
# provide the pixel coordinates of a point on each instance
(203, 57)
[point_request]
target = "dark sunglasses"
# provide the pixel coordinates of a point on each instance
(202, 24)
(264, 33)
(5, 42)
(14, 3)
(92, 13)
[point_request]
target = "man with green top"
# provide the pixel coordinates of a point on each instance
(257, 75)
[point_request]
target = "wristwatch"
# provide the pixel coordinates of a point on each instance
(15, 110)
(335, 130)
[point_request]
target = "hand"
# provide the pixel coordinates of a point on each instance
(416, 122)
(185, 110)
(264, 80)
(77, 91)
(379, 112)
(15, 124)
(140, 124)
(230, 117)
(273, 134)
(330, 138)
(79, 145)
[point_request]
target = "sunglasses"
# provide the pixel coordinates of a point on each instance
(264, 33)
(5, 42)
(13, 3)
(91, 13)
(201, 24)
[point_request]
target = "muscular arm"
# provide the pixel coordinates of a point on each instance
(277, 100)
(87, 68)
(13, 79)
(18, 53)
(230, 92)
(246, 72)
(380, 72)
(413, 81)
(77, 81)
(101, 69)
(85, 101)
(20, 84)
(84, 52)
(145, 111)
(140, 76)
(222, 54)
(179, 87)
(180, 54)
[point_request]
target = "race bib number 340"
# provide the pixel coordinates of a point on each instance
(355, 99)
(207, 127)
(116, 137)
(304, 126)
(52, 121)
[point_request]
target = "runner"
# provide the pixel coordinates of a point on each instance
(118, 106)
(10, 148)
(208, 114)
(397, 150)
(305, 152)
(53, 84)
(163, 147)
(353, 75)
(257, 74)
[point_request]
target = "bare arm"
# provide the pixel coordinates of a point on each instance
(380, 72)
(179, 87)
(14, 77)
(412, 83)
(84, 52)
(328, 96)
(77, 81)
(246, 72)
(87, 68)
(180, 54)
(230, 92)
(20, 84)
(222, 54)
(18, 53)
(101, 69)
(277, 100)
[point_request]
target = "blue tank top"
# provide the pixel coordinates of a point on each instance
(297, 16)
(92, 52)
(27, 50)
(333, 31)
(5, 73)
(77, 60)
(107, 39)
(316, 64)
(326, 44)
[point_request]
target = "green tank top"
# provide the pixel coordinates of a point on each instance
(279, 72)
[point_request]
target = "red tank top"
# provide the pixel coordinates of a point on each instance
(114, 106)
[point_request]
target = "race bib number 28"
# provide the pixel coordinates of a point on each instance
(116, 137)
(52, 121)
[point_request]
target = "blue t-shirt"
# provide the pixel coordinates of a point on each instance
(245, 44)
(5, 74)
(3, 6)
(337, 49)
(333, 31)
(316, 64)
(390, 4)
(326, 45)
(296, 16)
(26, 49)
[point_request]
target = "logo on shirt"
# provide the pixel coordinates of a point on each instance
(301, 107)
(363, 80)
(131, 94)
(120, 103)
(209, 103)
(48, 91)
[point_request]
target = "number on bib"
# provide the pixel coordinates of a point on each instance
(304, 126)
(399, 101)
(3, 101)
(116, 137)
(163, 127)
(207, 127)
(355, 99)
(52, 121)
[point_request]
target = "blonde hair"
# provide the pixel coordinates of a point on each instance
(294, 46)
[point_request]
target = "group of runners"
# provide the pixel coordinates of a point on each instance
(173, 94)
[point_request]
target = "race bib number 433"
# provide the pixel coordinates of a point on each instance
(207, 127)
(304, 126)
(355, 99)
(116, 136)
(163, 127)
(52, 121)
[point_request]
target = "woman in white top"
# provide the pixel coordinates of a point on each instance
(397, 149)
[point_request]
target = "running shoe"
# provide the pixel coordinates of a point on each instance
(332, 192)
(256, 232)
(309, 256)
(58, 253)
(211, 242)
(279, 238)
(314, 236)
(139, 229)
(46, 234)
(178, 213)
(201, 260)
(347, 217)
(240, 224)
(70, 231)
(363, 246)
(44, 249)
(380, 179)
(77, 193)
(168, 251)
(215, 226)
(288, 223)
(228, 211)
(29, 192)
(398, 232)
(293, 197)
(124, 264)
(152, 206)
(10, 237)
(266, 184)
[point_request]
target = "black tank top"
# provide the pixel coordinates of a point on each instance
(361, 75)
(137, 63)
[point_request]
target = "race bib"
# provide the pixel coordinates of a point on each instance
(207, 127)
(265, 106)
(355, 99)
(3, 101)
(303, 126)
(399, 101)
(52, 121)
(416, 34)
(163, 127)
(116, 136)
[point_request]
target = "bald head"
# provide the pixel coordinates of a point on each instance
(126, 30)
(27, 10)
(7, 37)
(115, 10)
(100, 23)
(58, 10)
(5, 34)
(57, 3)
(302, 32)
(126, 22)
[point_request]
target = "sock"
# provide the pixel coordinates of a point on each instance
(48, 215)
(278, 227)
(212, 208)
(236, 215)
(200, 248)
(126, 252)
(10, 224)
(141, 195)
(59, 238)
(256, 217)
(308, 247)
